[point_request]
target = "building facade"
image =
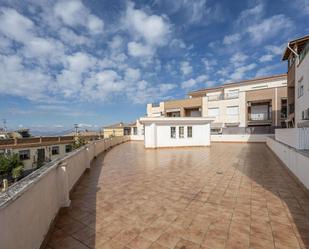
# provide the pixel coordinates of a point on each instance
(135, 130)
(260, 102)
(176, 131)
(296, 54)
(35, 151)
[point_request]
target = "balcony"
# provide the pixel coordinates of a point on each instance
(223, 96)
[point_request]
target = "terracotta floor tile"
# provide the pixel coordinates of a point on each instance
(139, 243)
(186, 244)
(135, 198)
(169, 239)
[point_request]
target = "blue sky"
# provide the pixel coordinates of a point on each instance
(99, 62)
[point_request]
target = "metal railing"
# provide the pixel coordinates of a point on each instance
(223, 96)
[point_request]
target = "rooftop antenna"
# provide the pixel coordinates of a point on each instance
(76, 128)
(4, 125)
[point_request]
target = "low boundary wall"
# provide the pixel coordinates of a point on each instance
(28, 208)
(296, 161)
(245, 138)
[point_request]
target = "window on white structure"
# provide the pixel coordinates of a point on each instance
(213, 112)
(55, 150)
(232, 110)
(68, 148)
(24, 155)
(181, 132)
(135, 130)
(173, 132)
(300, 88)
(189, 131)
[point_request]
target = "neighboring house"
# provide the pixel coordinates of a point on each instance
(260, 102)
(176, 131)
(135, 130)
(298, 81)
(34, 151)
(291, 145)
(86, 135)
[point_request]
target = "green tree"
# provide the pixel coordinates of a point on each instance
(8, 163)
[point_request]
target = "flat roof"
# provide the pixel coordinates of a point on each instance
(243, 82)
(300, 42)
(177, 120)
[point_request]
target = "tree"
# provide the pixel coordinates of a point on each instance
(10, 165)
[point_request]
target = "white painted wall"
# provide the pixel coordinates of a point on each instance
(200, 136)
(302, 103)
(297, 138)
(294, 160)
(245, 138)
(158, 132)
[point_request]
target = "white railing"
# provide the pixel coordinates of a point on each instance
(297, 138)
(28, 207)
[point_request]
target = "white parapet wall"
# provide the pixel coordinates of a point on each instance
(297, 138)
(242, 138)
(28, 207)
(137, 137)
(296, 161)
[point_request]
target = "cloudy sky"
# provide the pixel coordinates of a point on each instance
(97, 62)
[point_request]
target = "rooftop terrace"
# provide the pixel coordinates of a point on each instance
(225, 196)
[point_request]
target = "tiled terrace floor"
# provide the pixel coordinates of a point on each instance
(226, 196)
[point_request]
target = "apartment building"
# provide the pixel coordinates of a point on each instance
(34, 151)
(291, 145)
(296, 54)
(135, 129)
(260, 102)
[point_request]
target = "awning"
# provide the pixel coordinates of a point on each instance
(216, 125)
(173, 110)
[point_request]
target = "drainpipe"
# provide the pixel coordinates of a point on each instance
(294, 52)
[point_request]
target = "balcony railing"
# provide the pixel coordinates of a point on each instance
(223, 96)
(40, 195)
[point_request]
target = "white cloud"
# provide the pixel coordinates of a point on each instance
(153, 29)
(132, 74)
(266, 57)
(240, 72)
(238, 59)
(193, 82)
(250, 15)
(185, 67)
(276, 50)
(201, 78)
(71, 38)
(229, 39)
(16, 80)
(15, 25)
(269, 27)
(188, 83)
(209, 64)
(197, 12)
(139, 50)
(116, 42)
(75, 13)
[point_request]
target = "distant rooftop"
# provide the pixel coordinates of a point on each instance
(239, 83)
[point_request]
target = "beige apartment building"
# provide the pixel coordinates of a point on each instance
(35, 151)
(122, 129)
(256, 103)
